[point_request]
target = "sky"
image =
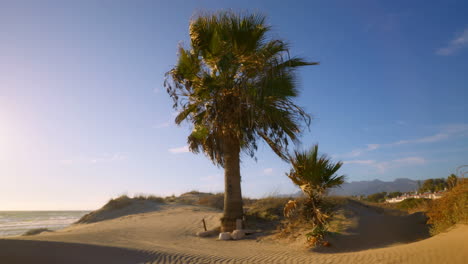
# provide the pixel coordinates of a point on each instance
(84, 116)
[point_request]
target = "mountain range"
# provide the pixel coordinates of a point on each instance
(375, 186)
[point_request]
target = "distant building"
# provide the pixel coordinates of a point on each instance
(427, 195)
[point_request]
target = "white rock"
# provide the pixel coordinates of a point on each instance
(237, 234)
(225, 236)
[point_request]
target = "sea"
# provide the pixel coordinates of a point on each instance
(14, 223)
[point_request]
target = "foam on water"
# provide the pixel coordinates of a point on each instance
(13, 223)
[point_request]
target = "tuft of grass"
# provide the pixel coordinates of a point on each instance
(153, 198)
(118, 203)
(36, 231)
(115, 205)
(449, 210)
(124, 201)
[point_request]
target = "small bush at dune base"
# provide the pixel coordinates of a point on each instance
(36, 231)
(413, 205)
(449, 210)
(269, 208)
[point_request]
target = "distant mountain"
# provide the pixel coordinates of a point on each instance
(375, 186)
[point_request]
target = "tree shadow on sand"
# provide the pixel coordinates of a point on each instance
(373, 227)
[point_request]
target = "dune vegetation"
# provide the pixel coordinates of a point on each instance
(36, 231)
(449, 210)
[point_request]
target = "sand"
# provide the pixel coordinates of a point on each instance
(167, 236)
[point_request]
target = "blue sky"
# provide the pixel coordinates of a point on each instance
(84, 116)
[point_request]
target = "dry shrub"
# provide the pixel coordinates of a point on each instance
(314, 223)
(36, 231)
(449, 210)
(153, 198)
(214, 201)
(269, 208)
(412, 205)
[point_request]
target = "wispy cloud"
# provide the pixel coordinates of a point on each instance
(67, 161)
(358, 152)
(429, 139)
(366, 162)
(267, 171)
(456, 44)
(210, 178)
(384, 166)
(385, 22)
(179, 150)
(163, 125)
(400, 122)
(104, 158)
(445, 133)
(109, 158)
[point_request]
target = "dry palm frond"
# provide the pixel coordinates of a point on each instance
(289, 208)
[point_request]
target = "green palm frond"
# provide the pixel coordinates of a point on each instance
(234, 81)
(314, 171)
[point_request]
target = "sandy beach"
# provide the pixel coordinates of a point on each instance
(167, 235)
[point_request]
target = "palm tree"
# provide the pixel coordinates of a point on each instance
(314, 174)
(235, 86)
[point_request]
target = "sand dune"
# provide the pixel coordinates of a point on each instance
(167, 236)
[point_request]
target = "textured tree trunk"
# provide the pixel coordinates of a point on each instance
(232, 186)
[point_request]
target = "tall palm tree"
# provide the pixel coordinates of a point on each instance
(235, 86)
(314, 174)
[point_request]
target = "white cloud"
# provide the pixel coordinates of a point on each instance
(183, 149)
(458, 43)
(157, 90)
(267, 171)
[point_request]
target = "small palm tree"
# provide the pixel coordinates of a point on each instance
(235, 86)
(314, 174)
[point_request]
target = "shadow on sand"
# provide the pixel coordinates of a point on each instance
(28, 251)
(374, 227)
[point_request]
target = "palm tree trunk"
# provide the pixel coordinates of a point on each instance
(232, 186)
